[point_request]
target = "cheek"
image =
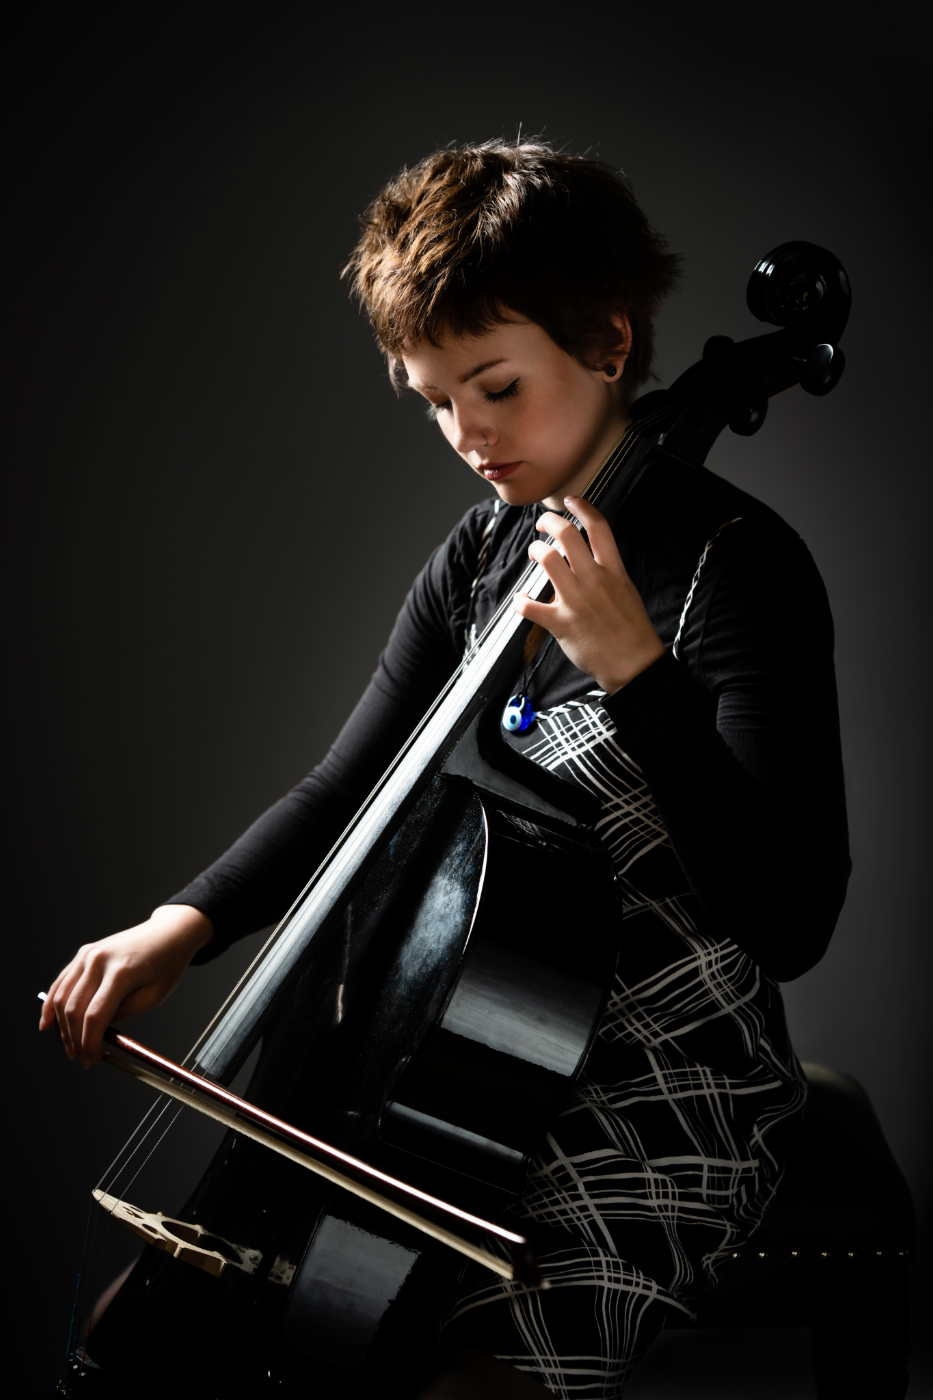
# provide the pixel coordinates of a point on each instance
(553, 419)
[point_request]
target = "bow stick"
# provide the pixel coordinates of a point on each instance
(367, 1182)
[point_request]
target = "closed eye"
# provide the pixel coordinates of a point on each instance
(490, 395)
(500, 394)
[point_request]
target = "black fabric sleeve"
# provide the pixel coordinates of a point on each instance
(739, 744)
(253, 883)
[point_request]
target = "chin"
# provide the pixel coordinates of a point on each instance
(515, 493)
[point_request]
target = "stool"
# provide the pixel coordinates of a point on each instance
(832, 1250)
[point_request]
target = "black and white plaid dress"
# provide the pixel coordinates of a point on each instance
(673, 1142)
(660, 1164)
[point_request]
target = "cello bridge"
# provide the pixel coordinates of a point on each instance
(192, 1244)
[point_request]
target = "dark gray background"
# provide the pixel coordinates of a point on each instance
(215, 500)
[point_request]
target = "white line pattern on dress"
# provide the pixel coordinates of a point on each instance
(676, 1151)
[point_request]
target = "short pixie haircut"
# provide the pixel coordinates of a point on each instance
(474, 233)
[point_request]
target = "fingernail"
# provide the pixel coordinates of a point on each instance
(571, 498)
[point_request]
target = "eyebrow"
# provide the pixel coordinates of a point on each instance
(471, 373)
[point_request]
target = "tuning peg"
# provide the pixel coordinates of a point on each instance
(823, 369)
(715, 343)
(746, 418)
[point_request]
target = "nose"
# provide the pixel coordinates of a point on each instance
(470, 433)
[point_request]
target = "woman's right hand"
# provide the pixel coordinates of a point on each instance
(122, 975)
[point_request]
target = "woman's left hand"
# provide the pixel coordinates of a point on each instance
(597, 614)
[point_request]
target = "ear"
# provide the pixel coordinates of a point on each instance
(611, 372)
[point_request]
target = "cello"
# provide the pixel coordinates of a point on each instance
(408, 1028)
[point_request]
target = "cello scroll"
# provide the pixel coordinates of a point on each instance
(803, 289)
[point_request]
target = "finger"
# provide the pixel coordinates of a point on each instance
(549, 522)
(48, 1013)
(599, 532)
(542, 613)
(65, 984)
(47, 1009)
(76, 1007)
(53, 995)
(63, 1032)
(101, 1011)
(558, 570)
(568, 540)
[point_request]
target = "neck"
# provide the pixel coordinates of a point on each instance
(609, 439)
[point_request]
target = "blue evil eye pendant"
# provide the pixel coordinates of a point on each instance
(518, 715)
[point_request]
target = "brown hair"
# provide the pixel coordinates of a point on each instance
(472, 233)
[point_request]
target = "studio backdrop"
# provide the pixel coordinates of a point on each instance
(219, 502)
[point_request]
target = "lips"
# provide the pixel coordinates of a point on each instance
(496, 471)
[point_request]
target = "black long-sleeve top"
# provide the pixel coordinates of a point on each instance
(737, 736)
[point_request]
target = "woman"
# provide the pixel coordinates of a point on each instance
(689, 688)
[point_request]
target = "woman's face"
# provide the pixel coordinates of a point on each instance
(520, 411)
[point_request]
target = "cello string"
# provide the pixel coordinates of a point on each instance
(90, 1268)
(71, 1325)
(87, 1273)
(75, 1318)
(116, 1166)
(604, 475)
(92, 1254)
(119, 1169)
(90, 1272)
(153, 1149)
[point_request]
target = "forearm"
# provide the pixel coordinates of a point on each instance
(256, 880)
(190, 929)
(253, 883)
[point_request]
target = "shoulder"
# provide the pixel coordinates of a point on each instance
(749, 546)
(681, 507)
(756, 601)
(692, 530)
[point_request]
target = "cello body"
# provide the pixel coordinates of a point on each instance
(435, 1029)
(432, 996)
